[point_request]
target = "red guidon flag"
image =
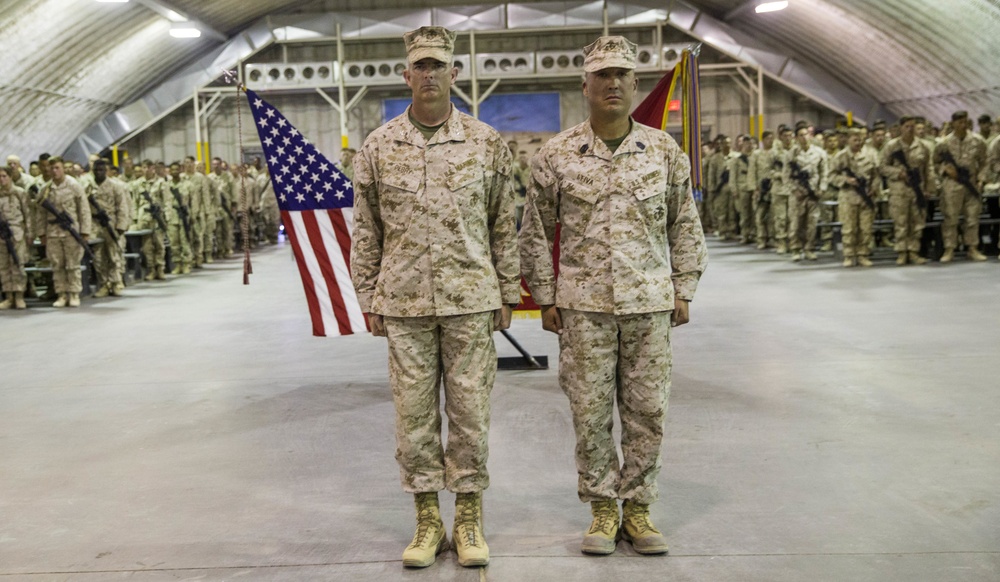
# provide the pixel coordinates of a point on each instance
(317, 209)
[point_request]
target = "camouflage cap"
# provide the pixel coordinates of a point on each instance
(434, 42)
(609, 51)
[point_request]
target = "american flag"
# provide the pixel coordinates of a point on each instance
(317, 209)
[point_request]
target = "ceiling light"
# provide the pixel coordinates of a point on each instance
(172, 15)
(184, 30)
(771, 6)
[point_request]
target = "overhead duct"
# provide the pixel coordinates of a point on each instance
(263, 76)
(490, 65)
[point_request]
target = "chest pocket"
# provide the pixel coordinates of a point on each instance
(583, 187)
(652, 200)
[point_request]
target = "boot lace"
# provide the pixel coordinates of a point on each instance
(468, 519)
(425, 519)
(604, 518)
(641, 522)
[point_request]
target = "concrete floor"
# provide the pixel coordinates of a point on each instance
(825, 425)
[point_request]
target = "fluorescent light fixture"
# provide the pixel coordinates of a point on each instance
(771, 6)
(172, 15)
(184, 30)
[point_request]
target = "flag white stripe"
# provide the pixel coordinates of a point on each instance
(319, 283)
(341, 271)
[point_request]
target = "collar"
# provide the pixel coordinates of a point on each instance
(452, 130)
(591, 145)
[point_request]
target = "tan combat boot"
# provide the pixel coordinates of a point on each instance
(640, 531)
(917, 259)
(903, 257)
(467, 534)
(975, 255)
(74, 300)
(864, 261)
(429, 540)
(186, 269)
(848, 262)
(102, 292)
(948, 255)
(61, 301)
(117, 289)
(605, 530)
(19, 300)
(159, 274)
(810, 256)
(782, 248)
(7, 303)
(150, 275)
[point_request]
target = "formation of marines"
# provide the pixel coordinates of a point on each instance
(789, 189)
(73, 213)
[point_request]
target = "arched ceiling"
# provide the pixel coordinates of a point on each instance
(70, 63)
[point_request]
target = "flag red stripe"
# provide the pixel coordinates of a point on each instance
(343, 236)
(307, 282)
(319, 248)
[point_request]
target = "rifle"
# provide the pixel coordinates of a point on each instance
(802, 177)
(102, 217)
(765, 191)
(229, 213)
(723, 180)
(861, 188)
(912, 177)
(8, 239)
(64, 221)
(183, 211)
(155, 211)
(964, 178)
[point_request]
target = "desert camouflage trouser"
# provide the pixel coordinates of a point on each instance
(761, 213)
(724, 212)
(804, 213)
(423, 351)
(908, 219)
(779, 217)
(12, 278)
(179, 246)
(64, 255)
(956, 201)
(109, 260)
(155, 251)
(603, 357)
(197, 241)
(744, 209)
(857, 221)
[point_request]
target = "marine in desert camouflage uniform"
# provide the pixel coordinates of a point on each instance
(16, 221)
(112, 197)
(61, 249)
(434, 261)
(968, 152)
(631, 253)
(853, 171)
(805, 172)
(907, 216)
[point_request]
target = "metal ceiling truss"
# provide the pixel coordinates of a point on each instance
(563, 17)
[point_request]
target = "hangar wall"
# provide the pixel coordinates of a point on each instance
(725, 110)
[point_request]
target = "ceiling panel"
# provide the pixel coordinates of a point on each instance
(69, 62)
